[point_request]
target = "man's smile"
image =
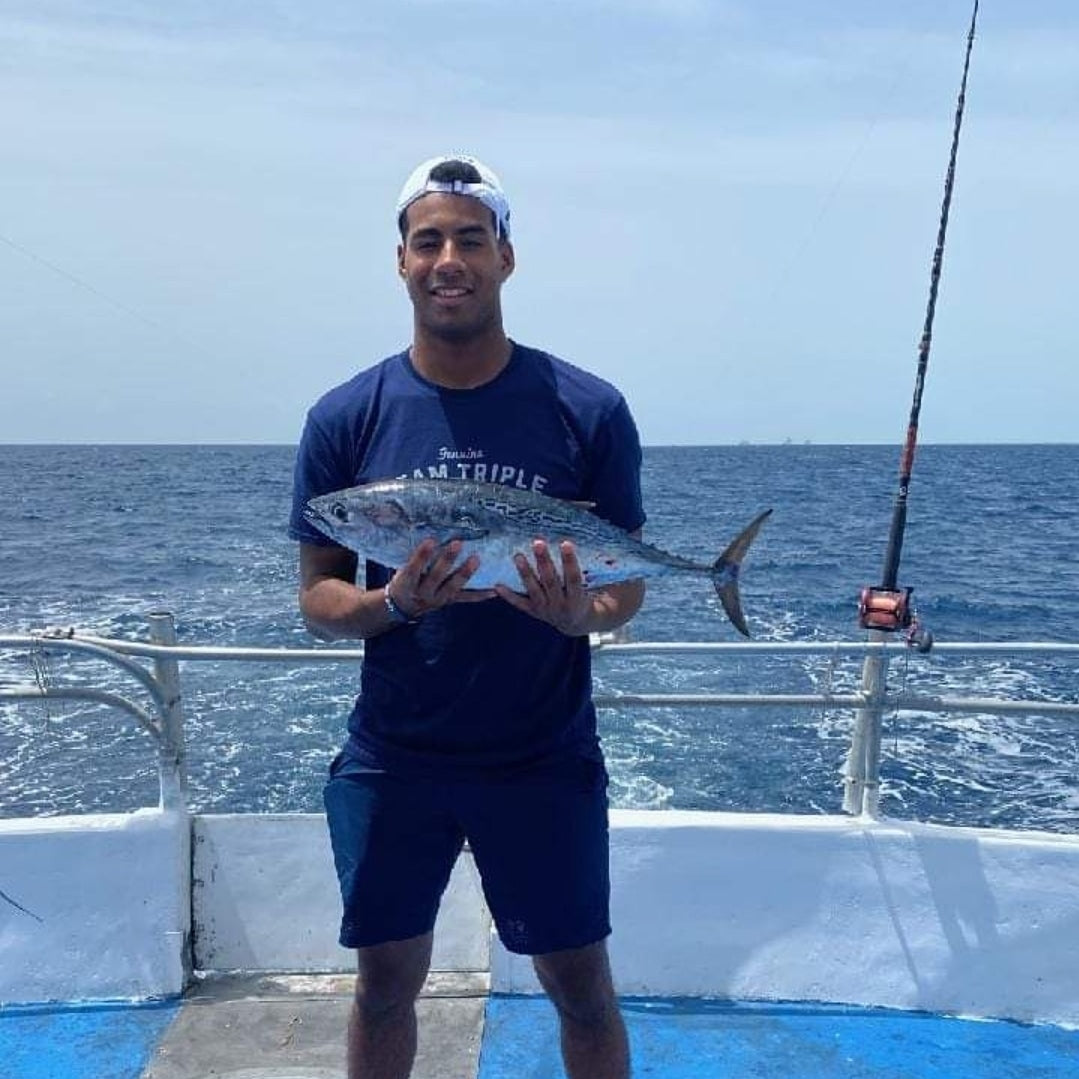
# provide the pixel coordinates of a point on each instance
(450, 294)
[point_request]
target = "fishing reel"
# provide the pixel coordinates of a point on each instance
(891, 610)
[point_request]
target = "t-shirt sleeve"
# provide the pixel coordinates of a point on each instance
(320, 468)
(615, 467)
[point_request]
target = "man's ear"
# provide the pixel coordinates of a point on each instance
(509, 259)
(401, 259)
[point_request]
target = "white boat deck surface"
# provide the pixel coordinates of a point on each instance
(293, 1028)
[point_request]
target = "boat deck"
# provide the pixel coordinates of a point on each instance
(293, 1028)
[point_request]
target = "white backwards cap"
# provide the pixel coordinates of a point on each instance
(488, 190)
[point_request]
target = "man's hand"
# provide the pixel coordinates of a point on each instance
(334, 608)
(425, 582)
(560, 600)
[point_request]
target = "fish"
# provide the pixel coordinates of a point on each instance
(386, 520)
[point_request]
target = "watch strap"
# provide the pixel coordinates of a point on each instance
(398, 616)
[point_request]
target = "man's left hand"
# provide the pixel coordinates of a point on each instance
(558, 599)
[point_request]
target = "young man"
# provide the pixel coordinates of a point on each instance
(475, 719)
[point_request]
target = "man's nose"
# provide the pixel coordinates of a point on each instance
(449, 255)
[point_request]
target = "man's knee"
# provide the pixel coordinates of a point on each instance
(579, 984)
(593, 1013)
(391, 975)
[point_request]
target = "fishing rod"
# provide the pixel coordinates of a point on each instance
(887, 607)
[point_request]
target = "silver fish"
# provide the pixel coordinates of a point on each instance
(387, 520)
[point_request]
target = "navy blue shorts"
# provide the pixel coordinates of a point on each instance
(539, 840)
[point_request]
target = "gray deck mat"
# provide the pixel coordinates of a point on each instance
(293, 1027)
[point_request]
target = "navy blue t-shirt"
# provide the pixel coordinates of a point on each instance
(473, 688)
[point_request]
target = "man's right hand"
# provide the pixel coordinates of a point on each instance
(334, 608)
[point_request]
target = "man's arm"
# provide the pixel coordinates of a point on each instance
(614, 605)
(334, 608)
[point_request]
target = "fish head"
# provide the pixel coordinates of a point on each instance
(371, 519)
(388, 519)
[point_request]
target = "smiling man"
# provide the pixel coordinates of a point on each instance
(475, 718)
(454, 257)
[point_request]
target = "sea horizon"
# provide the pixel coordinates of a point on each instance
(645, 445)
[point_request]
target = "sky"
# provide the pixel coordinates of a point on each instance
(728, 209)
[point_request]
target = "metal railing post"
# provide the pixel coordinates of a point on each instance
(861, 793)
(172, 762)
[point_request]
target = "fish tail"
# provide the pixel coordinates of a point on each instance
(726, 568)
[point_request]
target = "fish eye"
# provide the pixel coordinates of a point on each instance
(339, 511)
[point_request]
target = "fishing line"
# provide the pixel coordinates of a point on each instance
(39, 664)
(18, 906)
(887, 607)
(826, 203)
(96, 292)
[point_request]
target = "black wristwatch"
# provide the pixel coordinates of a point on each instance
(397, 616)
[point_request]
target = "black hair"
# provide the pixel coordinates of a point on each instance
(446, 172)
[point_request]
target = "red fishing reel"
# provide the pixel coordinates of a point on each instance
(890, 610)
(882, 608)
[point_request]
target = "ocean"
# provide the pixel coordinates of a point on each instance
(96, 536)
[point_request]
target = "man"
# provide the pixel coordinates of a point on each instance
(475, 718)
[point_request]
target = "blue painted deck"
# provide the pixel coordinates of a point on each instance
(694, 1039)
(95, 1041)
(687, 1039)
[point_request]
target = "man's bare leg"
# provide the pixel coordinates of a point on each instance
(578, 981)
(382, 1025)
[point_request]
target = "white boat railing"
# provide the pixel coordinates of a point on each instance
(164, 722)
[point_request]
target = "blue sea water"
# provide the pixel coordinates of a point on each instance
(96, 536)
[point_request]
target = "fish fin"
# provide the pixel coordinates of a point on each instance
(726, 568)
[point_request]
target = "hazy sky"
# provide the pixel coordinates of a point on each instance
(727, 208)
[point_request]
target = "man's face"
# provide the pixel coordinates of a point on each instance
(453, 266)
